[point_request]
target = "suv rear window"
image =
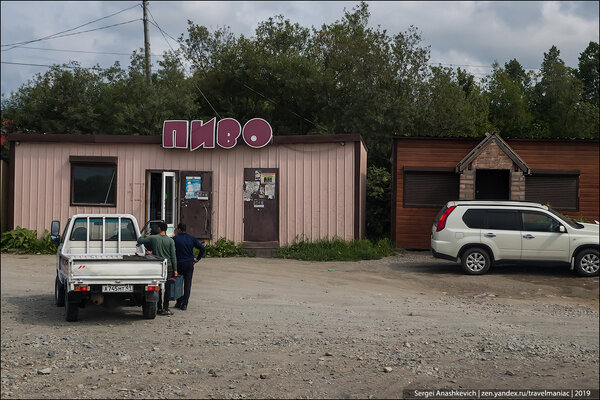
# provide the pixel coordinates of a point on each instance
(474, 218)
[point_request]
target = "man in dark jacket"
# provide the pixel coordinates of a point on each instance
(184, 248)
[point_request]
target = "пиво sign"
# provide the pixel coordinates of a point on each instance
(178, 134)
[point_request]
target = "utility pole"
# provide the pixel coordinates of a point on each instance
(146, 42)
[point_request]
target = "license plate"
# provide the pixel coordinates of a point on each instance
(117, 288)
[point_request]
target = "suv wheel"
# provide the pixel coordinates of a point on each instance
(476, 261)
(587, 262)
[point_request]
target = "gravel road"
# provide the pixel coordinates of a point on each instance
(283, 328)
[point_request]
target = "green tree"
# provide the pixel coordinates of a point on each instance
(589, 64)
(556, 100)
(447, 110)
(509, 113)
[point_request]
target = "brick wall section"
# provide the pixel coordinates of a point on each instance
(467, 185)
(492, 157)
(517, 185)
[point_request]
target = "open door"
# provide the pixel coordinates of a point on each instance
(261, 204)
(162, 198)
(195, 206)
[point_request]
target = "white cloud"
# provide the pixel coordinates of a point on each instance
(475, 33)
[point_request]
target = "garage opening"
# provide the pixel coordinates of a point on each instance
(492, 184)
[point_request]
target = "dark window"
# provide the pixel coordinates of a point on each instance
(111, 229)
(79, 231)
(93, 180)
(539, 222)
(430, 188)
(474, 218)
(503, 220)
(561, 192)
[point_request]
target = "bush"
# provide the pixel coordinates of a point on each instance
(337, 250)
(224, 248)
(25, 241)
(379, 202)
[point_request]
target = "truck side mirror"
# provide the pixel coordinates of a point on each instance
(55, 232)
(562, 229)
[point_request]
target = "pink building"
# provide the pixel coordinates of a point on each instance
(295, 186)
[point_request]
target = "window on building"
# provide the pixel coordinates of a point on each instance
(429, 187)
(560, 191)
(93, 181)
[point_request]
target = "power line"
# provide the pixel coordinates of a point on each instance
(82, 51)
(18, 44)
(177, 56)
(241, 83)
(89, 30)
(50, 66)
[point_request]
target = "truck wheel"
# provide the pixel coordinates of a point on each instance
(586, 262)
(476, 261)
(59, 293)
(149, 309)
(71, 309)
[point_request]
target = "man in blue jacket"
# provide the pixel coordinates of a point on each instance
(184, 249)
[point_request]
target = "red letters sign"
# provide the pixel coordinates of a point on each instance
(179, 134)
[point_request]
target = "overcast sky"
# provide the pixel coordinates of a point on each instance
(472, 34)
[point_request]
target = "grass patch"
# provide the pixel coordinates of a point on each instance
(223, 248)
(337, 250)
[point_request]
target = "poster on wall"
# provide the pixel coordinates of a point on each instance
(267, 178)
(270, 191)
(250, 187)
(193, 187)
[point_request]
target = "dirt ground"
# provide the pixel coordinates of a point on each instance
(283, 328)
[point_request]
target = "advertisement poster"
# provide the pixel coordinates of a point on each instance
(193, 186)
(267, 178)
(250, 187)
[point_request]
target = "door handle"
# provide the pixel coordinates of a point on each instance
(528, 236)
(490, 235)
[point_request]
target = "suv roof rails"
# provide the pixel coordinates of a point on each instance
(501, 203)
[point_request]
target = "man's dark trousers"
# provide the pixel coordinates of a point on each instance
(186, 269)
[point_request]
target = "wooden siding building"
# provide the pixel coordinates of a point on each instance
(308, 187)
(428, 172)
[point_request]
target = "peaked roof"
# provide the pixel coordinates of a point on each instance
(477, 150)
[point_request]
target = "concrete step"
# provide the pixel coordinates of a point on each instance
(262, 249)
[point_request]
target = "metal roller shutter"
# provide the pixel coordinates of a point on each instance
(561, 192)
(430, 188)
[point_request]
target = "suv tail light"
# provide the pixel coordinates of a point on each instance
(442, 222)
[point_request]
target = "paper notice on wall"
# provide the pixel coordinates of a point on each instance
(257, 175)
(193, 187)
(250, 187)
(270, 191)
(267, 178)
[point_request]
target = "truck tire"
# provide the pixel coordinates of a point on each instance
(59, 293)
(476, 261)
(149, 309)
(71, 308)
(586, 262)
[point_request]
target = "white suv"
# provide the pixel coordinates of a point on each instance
(481, 233)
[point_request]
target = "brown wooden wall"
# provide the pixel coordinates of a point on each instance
(411, 227)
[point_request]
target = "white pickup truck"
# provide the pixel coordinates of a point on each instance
(99, 262)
